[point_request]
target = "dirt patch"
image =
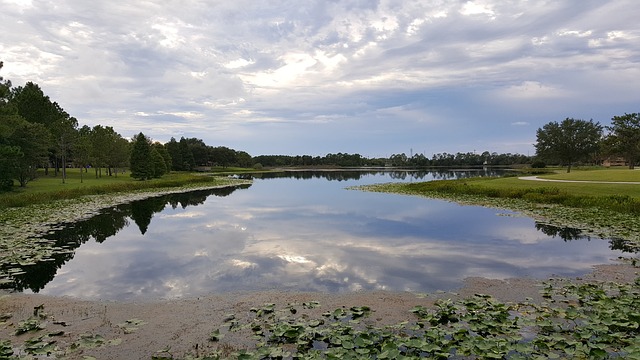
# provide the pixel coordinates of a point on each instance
(185, 325)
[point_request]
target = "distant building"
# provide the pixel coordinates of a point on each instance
(614, 161)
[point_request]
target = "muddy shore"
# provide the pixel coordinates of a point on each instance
(184, 325)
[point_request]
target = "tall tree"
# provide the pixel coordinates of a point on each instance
(82, 150)
(568, 142)
(188, 161)
(162, 150)
(624, 137)
(25, 147)
(173, 148)
(140, 163)
(159, 166)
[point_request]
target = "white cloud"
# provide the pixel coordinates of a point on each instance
(477, 8)
(229, 71)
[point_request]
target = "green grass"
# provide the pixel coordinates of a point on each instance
(576, 189)
(613, 174)
(48, 188)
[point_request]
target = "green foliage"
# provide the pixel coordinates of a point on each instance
(141, 161)
(50, 189)
(568, 142)
(586, 321)
(624, 137)
(536, 194)
(159, 165)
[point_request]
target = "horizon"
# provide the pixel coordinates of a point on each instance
(374, 79)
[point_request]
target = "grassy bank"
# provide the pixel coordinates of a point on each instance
(47, 188)
(606, 210)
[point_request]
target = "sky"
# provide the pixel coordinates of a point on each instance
(315, 77)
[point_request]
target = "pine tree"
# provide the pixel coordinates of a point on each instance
(159, 166)
(141, 162)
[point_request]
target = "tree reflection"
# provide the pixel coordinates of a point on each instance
(343, 175)
(570, 234)
(108, 222)
(565, 233)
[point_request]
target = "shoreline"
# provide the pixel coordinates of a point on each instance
(138, 330)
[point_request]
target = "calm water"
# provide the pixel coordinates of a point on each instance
(305, 232)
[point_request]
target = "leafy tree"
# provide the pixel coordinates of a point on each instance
(64, 132)
(140, 163)
(82, 150)
(34, 106)
(188, 162)
(568, 142)
(9, 157)
(624, 137)
(24, 148)
(173, 148)
(243, 159)
(223, 156)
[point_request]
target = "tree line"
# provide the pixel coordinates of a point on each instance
(37, 133)
(577, 141)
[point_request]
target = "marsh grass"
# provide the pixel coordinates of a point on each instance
(623, 198)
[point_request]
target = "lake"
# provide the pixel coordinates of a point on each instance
(303, 231)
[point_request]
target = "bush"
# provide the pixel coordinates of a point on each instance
(538, 164)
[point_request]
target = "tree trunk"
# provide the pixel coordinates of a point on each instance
(569, 168)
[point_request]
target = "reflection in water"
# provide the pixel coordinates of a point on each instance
(344, 175)
(569, 234)
(301, 231)
(102, 226)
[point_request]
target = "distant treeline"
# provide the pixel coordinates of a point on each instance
(416, 160)
(37, 133)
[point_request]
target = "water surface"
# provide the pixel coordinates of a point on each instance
(304, 231)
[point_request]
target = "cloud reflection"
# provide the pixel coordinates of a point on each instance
(340, 241)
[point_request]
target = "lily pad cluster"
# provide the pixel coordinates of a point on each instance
(47, 344)
(576, 321)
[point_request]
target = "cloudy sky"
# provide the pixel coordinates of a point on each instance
(317, 77)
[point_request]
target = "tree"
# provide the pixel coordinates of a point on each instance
(159, 166)
(31, 139)
(162, 150)
(624, 137)
(140, 163)
(568, 142)
(82, 150)
(188, 161)
(173, 148)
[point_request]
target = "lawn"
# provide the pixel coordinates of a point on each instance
(51, 188)
(579, 189)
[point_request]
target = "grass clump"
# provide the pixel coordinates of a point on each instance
(535, 194)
